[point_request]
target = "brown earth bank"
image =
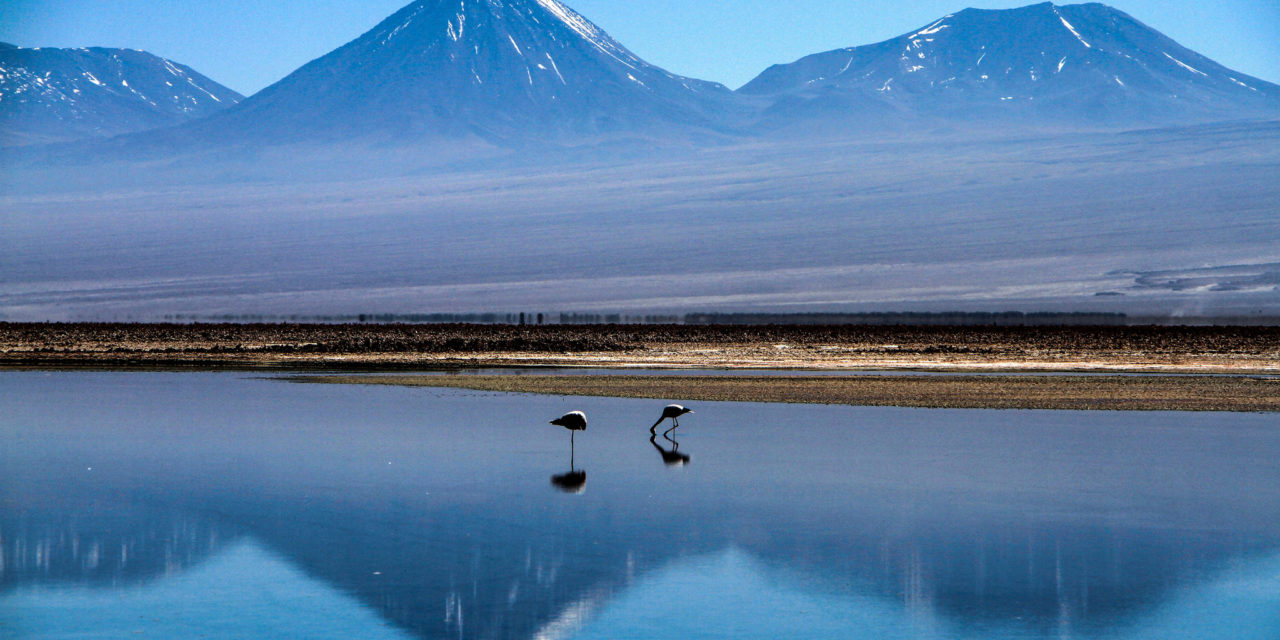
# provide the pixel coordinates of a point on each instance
(1240, 350)
(1102, 392)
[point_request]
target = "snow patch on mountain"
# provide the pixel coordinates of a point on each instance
(1072, 29)
(591, 33)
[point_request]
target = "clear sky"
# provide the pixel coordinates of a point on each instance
(249, 44)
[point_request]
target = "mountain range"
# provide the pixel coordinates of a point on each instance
(515, 72)
(52, 95)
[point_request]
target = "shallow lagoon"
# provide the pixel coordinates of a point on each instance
(227, 505)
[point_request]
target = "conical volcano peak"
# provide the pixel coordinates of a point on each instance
(499, 69)
(477, 20)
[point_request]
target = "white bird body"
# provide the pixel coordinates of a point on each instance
(573, 421)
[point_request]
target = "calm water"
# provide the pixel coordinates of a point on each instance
(229, 506)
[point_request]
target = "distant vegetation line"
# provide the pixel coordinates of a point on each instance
(437, 318)
(949, 318)
(1007, 318)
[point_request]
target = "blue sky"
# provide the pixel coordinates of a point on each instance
(248, 44)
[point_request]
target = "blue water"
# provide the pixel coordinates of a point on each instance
(225, 505)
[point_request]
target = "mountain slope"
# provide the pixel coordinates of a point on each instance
(498, 69)
(49, 95)
(1077, 64)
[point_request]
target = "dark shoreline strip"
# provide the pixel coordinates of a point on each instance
(1101, 393)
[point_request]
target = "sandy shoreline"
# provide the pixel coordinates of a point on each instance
(1219, 366)
(1104, 393)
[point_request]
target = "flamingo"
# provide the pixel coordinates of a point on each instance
(573, 421)
(575, 481)
(673, 411)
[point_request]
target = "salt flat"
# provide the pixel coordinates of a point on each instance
(1058, 222)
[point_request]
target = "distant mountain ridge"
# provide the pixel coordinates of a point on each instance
(50, 95)
(452, 74)
(1074, 64)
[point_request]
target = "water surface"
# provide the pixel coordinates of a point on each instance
(225, 505)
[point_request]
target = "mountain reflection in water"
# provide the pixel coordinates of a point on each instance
(885, 522)
(244, 591)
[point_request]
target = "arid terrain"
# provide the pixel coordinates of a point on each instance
(1204, 350)
(1093, 392)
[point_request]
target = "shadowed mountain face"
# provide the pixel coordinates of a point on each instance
(1045, 64)
(50, 95)
(494, 69)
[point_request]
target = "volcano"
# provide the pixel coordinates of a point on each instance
(499, 70)
(1045, 64)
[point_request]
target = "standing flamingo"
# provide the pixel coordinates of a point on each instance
(673, 411)
(573, 421)
(575, 481)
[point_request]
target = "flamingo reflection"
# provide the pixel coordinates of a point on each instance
(670, 457)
